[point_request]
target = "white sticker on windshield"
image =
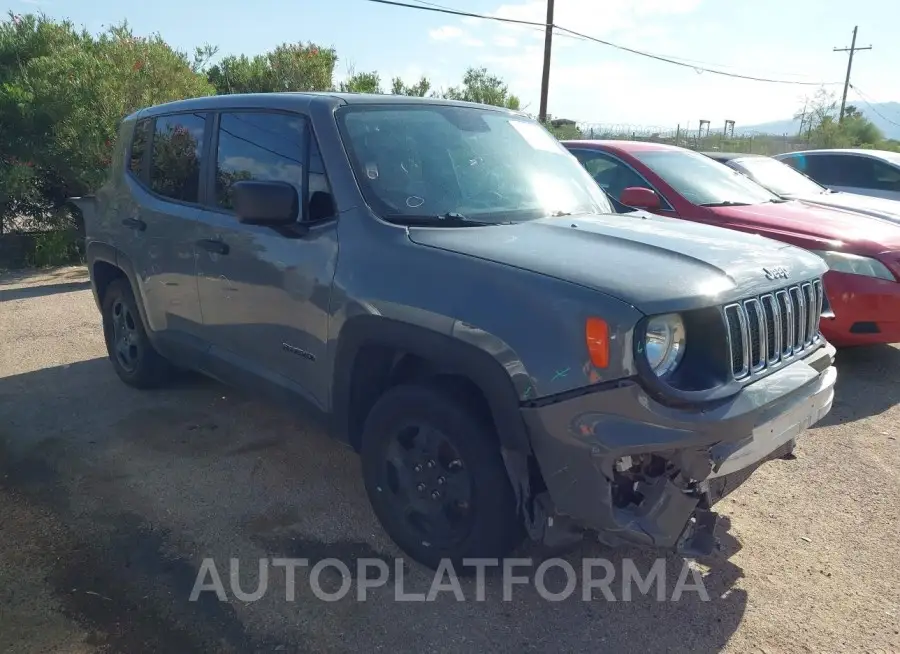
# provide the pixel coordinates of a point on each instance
(536, 136)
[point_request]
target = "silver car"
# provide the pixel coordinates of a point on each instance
(788, 183)
(866, 172)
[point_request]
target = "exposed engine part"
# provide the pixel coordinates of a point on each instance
(644, 469)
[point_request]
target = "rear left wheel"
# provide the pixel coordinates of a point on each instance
(133, 356)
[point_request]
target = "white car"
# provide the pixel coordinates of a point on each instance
(788, 183)
(866, 172)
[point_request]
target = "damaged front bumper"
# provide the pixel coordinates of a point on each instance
(638, 472)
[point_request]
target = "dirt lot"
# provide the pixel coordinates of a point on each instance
(111, 498)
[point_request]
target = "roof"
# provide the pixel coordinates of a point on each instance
(730, 156)
(299, 100)
(887, 155)
(627, 146)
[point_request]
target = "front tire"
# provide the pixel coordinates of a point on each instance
(135, 360)
(435, 478)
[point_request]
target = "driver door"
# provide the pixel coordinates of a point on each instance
(264, 293)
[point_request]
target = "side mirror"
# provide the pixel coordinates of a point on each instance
(268, 203)
(640, 198)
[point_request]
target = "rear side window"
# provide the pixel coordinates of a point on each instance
(260, 146)
(177, 148)
(139, 146)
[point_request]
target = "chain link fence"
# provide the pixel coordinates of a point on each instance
(694, 139)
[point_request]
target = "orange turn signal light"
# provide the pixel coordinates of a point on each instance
(596, 331)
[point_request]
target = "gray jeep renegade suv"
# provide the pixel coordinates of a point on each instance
(451, 289)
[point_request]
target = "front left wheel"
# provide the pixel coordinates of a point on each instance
(435, 477)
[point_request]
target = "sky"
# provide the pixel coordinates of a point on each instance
(589, 82)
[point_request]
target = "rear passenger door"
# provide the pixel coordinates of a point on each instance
(160, 223)
(265, 292)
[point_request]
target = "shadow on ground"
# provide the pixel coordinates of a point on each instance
(866, 385)
(36, 275)
(33, 283)
(121, 579)
(42, 291)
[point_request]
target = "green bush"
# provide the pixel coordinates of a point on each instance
(63, 93)
(55, 249)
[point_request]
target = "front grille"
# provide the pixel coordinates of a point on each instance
(763, 331)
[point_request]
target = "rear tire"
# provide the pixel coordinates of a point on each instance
(135, 360)
(436, 480)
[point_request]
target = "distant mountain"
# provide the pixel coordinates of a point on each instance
(888, 122)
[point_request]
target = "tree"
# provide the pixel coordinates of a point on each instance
(361, 83)
(850, 111)
(480, 86)
(420, 89)
(63, 93)
(823, 128)
(289, 67)
(861, 131)
(563, 128)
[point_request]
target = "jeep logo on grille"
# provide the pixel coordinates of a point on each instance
(778, 272)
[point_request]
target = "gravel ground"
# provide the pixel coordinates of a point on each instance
(111, 498)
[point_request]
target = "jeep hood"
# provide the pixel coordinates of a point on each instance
(656, 264)
(851, 232)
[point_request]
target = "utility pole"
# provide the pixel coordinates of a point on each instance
(851, 50)
(545, 78)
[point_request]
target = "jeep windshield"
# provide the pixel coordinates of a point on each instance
(424, 162)
(702, 181)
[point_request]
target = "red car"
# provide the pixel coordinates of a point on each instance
(863, 284)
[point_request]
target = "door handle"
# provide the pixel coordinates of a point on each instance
(135, 223)
(212, 245)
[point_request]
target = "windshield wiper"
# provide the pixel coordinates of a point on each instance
(449, 219)
(726, 203)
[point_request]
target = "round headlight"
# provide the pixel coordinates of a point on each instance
(664, 343)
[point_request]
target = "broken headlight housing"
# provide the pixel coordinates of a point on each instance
(664, 340)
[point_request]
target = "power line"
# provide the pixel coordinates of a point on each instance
(456, 12)
(869, 105)
(566, 31)
(686, 60)
(539, 27)
(540, 30)
(703, 69)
